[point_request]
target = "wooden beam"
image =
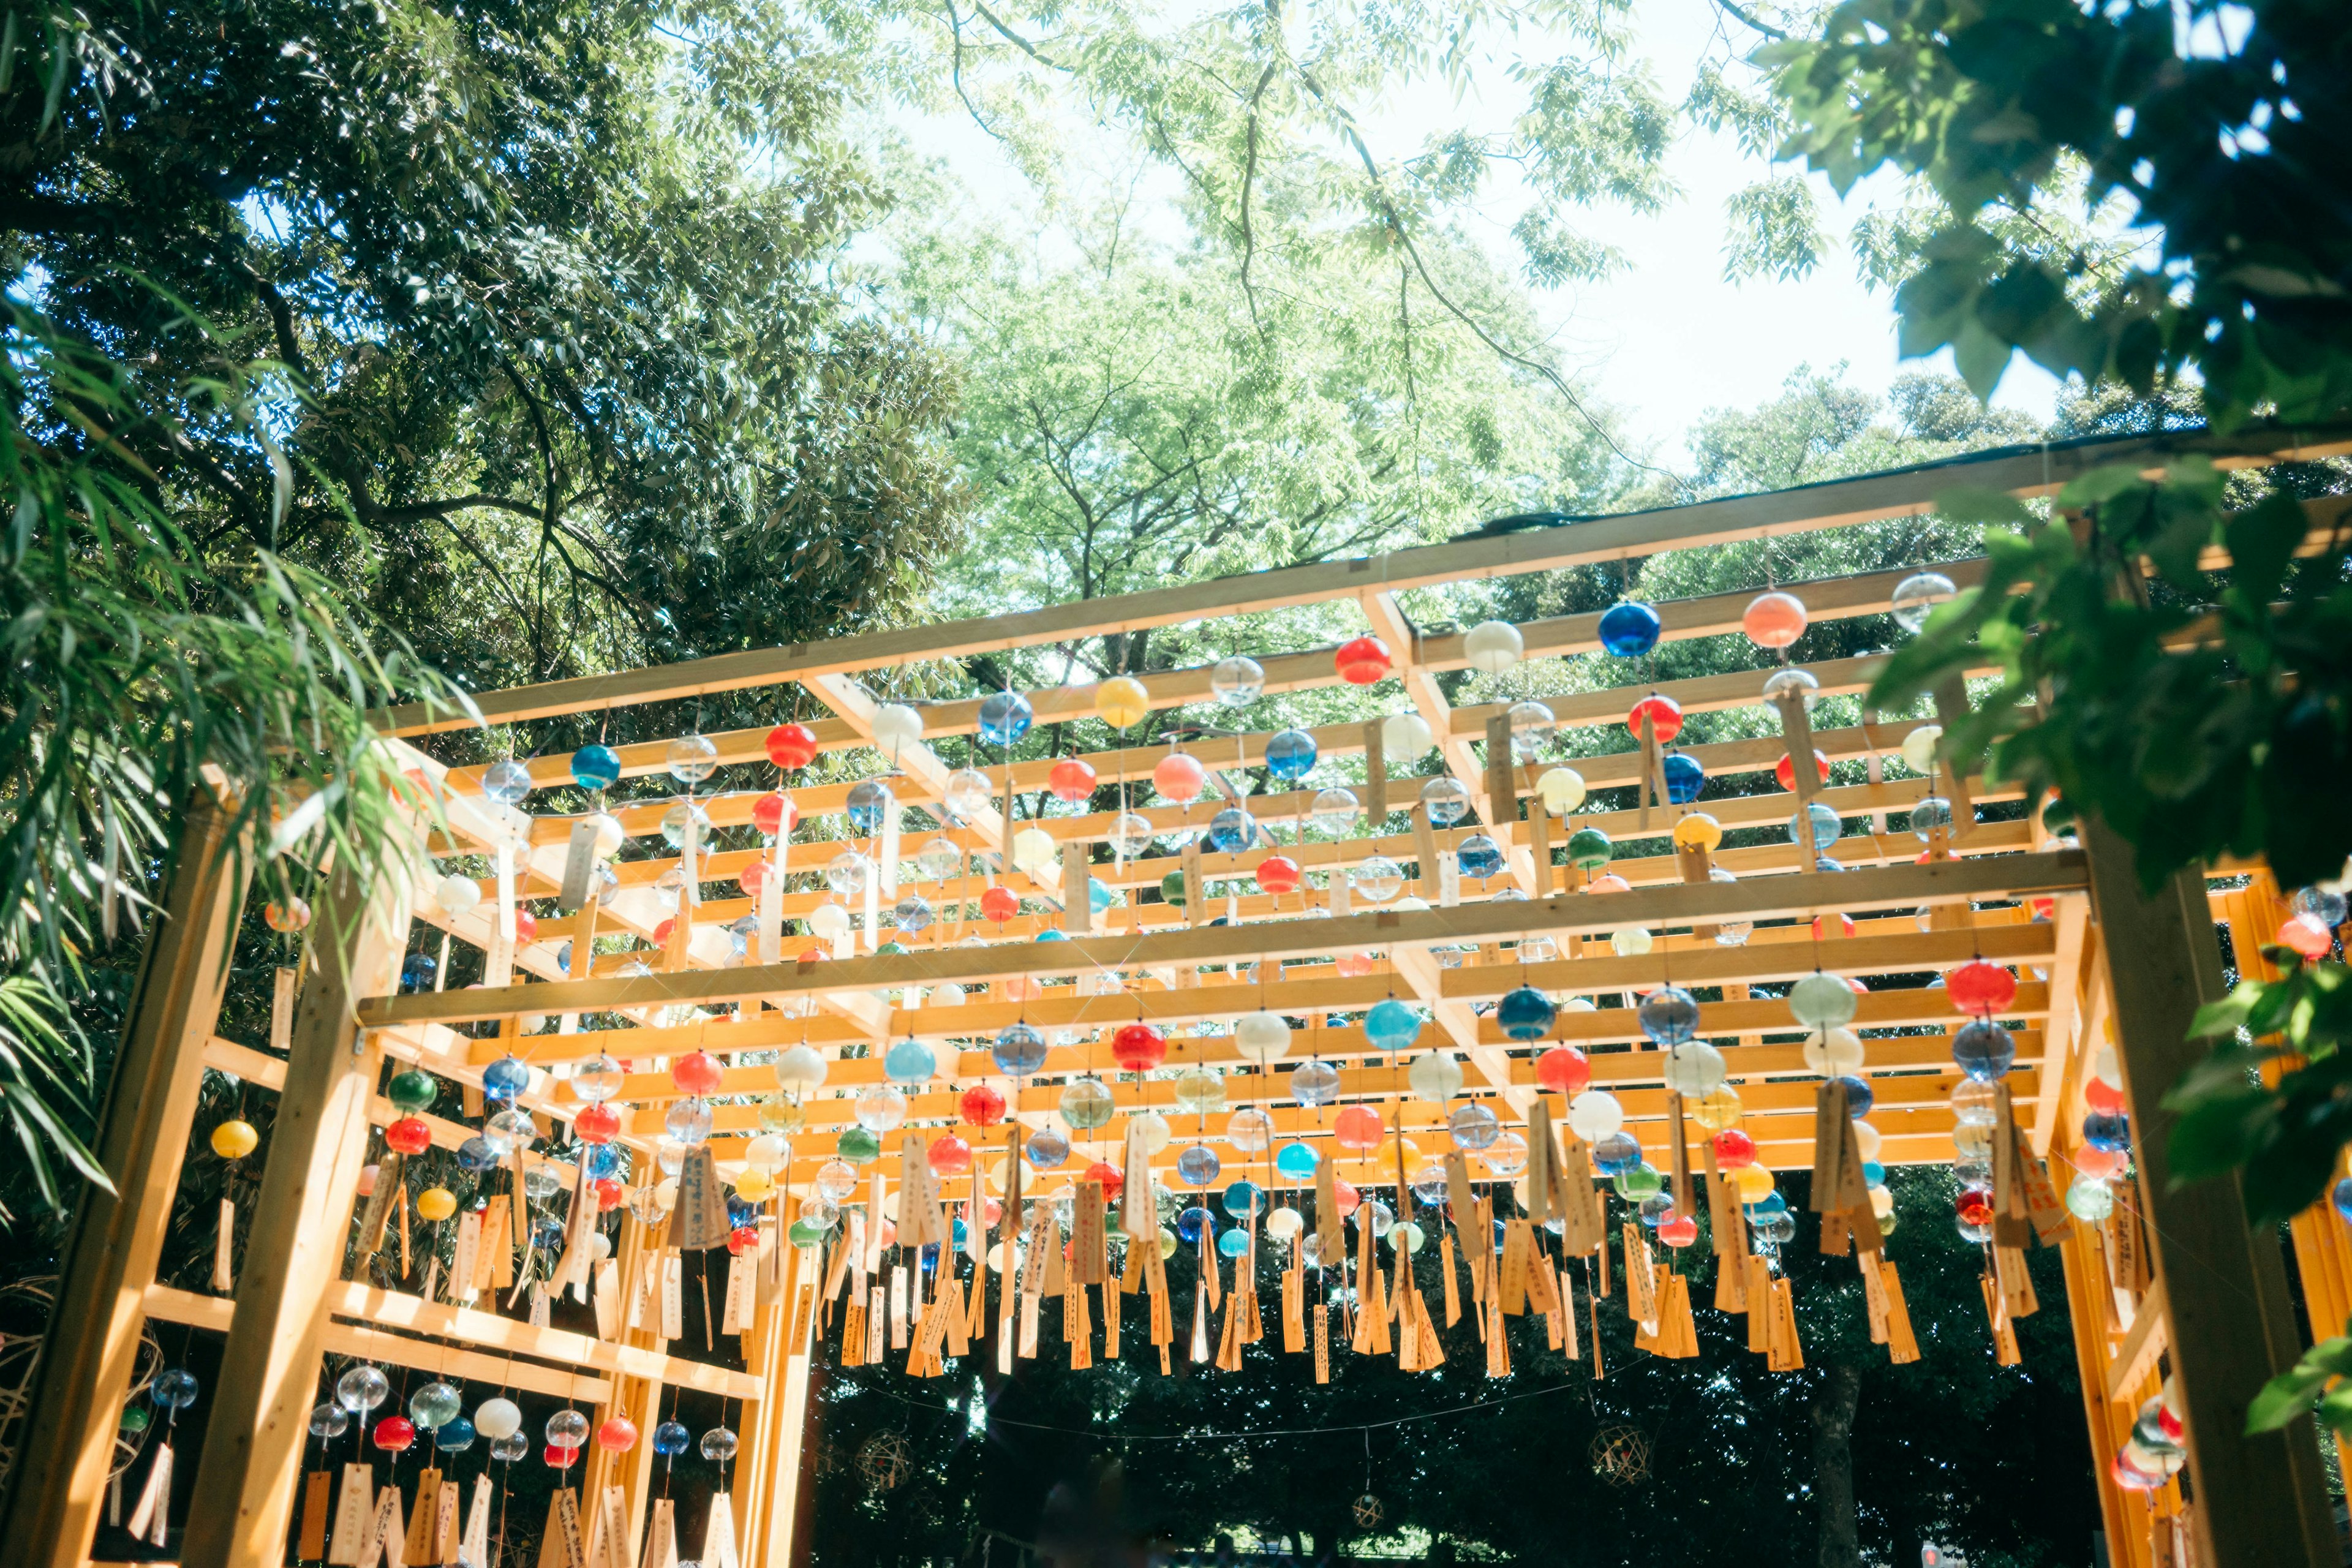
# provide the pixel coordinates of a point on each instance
(1677, 903)
(398, 1309)
(2135, 1359)
(2037, 470)
(918, 762)
(1713, 614)
(2261, 1498)
(73, 1411)
(2071, 916)
(218, 1314)
(300, 1228)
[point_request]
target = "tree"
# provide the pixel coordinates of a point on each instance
(1262, 116)
(138, 676)
(2187, 709)
(1134, 415)
(561, 372)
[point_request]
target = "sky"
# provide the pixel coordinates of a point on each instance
(1667, 338)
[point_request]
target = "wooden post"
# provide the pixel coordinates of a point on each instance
(2259, 1499)
(83, 1376)
(301, 1230)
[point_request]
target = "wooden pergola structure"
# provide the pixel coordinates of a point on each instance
(2173, 1283)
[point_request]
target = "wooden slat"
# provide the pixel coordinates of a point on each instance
(2261, 1497)
(82, 1377)
(2136, 1357)
(1906, 492)
(295, 1243)
(397, 1310)
(217, 1313)
(1678, 903)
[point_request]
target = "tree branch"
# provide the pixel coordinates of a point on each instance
(1395, 223)
(1766, 29)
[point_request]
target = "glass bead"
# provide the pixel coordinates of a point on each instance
(674, 821)
(1445, 800)
(1004, 718)
(1434, 1076)
(1479, 856)
(869, 804)
(909, 1062)
(595, 1080)
(1232, 830)
(507, 1131)
(1792, 682)
(2108, 1131)
(1589, 849)
(1314, 1083)
(1335, 811)
(1916, 596)
(1019, 1051)
(1377, 878)
(1391, 1025)
(1237, 681)
(1290, 756)
(2326, 908)
(1685, 779)
(969, 795)
(1505, 1156)
(1826, 827)
(435, 1404)
(689, 1121)
(174, 1388)
(1087, 1104)
(1628, 629)
(2091, 1200)
(362, 1389)
(846, 874)
(1533, 725)
(1199, 1091)
(1474, 1126)
(1130, 834)
(691, 758)
(880, 1108)
(1251, 1130)
(1984, 1050)
(1693, 1069)
(1668, 1016)
(595, 767)
(1616, 1153)
(505, 1079)
(506, 782)
(1822, 1001)
(1526, 1013)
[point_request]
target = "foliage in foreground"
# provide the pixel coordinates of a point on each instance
(138, 676)
(2194, 714)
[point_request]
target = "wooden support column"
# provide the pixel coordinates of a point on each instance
(300, 1231)
(2124, 1518)
(83, 1376)
(769, 1491)
(2259, 1499)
